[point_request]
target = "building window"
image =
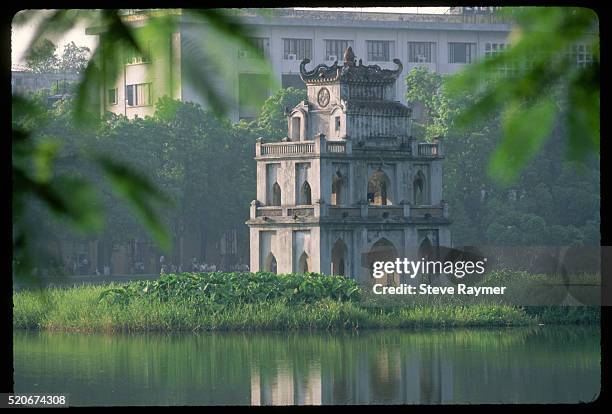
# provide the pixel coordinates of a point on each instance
(339, 254)
(379, 50)
(305, 194)
(334, 49)
(580, 55)
(133, 57)
(492, 50)
(112, 96)
(420, 189)
(461, 52)
(421, 52)
(270, 264)
(138, 95)
(337, 124)
(276, 194)
(378, 186)
(338, 190)
(296, 129)
(293, 81)
(297, 49)
(303, 263)
(262, 44)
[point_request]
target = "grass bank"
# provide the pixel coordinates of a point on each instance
(262, 301)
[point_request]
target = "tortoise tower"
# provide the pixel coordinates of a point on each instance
(348, 180)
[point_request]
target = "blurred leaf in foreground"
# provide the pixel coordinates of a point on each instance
(139, 193)
(540, 66)
(72, 198)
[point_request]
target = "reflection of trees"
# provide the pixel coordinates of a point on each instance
(386, 367)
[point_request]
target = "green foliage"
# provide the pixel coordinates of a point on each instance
(225, 289)
(74, 58)
(552, 201)
(543, 72)
(41, 57)
(528, 126)
(84, 157)
(164, 168)
(271, 120)
(139, 193)
(562, 315)
(429, 90)
(245, 301)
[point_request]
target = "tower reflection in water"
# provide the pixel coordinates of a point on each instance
(505, 365)
(496, 366)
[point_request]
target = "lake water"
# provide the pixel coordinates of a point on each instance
(530, 365)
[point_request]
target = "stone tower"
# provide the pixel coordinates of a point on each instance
(348, 181)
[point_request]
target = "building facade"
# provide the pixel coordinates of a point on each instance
(443, 43)
(349, 183)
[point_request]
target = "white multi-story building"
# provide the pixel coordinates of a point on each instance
(444, 43)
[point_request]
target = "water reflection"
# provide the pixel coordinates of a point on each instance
(536, 365)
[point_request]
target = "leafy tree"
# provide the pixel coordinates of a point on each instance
(74, 58)
(120, 38)
(271, 119)
(552, 201)
(41, 57)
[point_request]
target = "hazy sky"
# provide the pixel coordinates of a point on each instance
(22, 36)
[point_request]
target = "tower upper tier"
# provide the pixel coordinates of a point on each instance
(352, 101)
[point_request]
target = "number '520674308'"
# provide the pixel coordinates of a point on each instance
(26, 399)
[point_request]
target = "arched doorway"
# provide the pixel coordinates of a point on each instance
(296, 128)
(303, 263)
(383, 251)
(379, 187)
(337, 190)
(270, 263)
(305, 194)
(419, 186)
(425, 249)
(339, 255)
(276, 194)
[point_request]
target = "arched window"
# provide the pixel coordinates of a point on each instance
(337, 190)
(276, 194)
(305, 194)
(418, 186)
(383, 251)
(425, 249)
(339, 258)
(296, 128)
(378, 189)
(303, 263)
(270, 263)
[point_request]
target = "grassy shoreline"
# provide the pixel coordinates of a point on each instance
(262, 302)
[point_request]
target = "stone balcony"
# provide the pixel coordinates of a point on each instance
(363, 212)
(287, 149)
(321, 146)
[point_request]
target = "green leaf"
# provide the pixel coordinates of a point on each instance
(43, 157)
(524, 130)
